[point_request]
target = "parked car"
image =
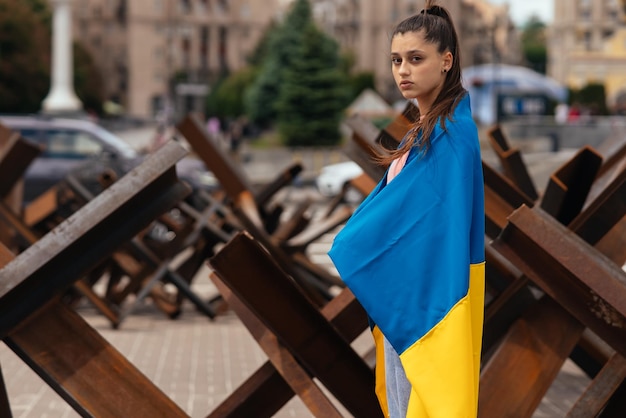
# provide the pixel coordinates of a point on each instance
(333, 177)
(85, 149)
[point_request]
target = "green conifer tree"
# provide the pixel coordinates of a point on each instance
(261, 97)
(313, 93)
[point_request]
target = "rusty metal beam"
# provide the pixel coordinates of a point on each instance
(84, 369)
(394, 132)
(613, 151)
(16, 154)
(245, 210)
(502, 196)
(5, 407)
(584, 282)
(515, 378)
(296, 376)
(81, 366)
(14, 221)
(599, 392)
(569, 185)
(528, 351)
(265, 391)
(364, 128)
(283, 179)
(229, 175)
(363, 155)
(363, 146)
(512, 162)
(604, 212)
(67, 252)
(296, 322)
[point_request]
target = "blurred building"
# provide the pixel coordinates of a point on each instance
(161, 55)
(158, 56)
(587, 44)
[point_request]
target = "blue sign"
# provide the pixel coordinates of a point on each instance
(522, 104)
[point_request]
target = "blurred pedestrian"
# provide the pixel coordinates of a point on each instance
(160, 137)
(213, 126)
(235, 135)
(573, 115)
(560, 113)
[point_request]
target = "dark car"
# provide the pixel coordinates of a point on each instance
(86, 150)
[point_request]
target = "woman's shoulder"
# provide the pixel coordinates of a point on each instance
(461, 123)
(462, 132)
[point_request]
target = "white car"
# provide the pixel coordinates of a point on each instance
(333, 177)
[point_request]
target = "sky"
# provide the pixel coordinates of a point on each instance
(521, 10)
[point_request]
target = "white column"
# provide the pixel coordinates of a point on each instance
(61, 97)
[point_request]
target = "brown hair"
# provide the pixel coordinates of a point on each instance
(438, 28)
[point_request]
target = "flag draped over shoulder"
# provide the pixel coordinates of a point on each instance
(413, 255)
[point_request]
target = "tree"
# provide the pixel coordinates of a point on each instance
(24, 56)
(262, 48)
(534, 44)
(359, 82)
(88, 80)
(314, 92)
(261, 98)
(40, 7)
(226, 99)
(591, 96)
(302, 84)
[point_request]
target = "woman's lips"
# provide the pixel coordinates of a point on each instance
(405, 85)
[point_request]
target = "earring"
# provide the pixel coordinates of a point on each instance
(444, 70)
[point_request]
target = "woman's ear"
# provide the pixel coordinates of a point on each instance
(447, 61)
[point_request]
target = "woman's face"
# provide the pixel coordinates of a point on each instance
(418, 68)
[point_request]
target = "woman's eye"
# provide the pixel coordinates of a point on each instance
(396, 61)
(415, 59)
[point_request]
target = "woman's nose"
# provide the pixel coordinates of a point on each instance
(404, 68)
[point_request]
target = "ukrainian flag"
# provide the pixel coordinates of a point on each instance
(413, 255)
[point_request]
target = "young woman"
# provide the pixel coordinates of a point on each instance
(413, 252)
